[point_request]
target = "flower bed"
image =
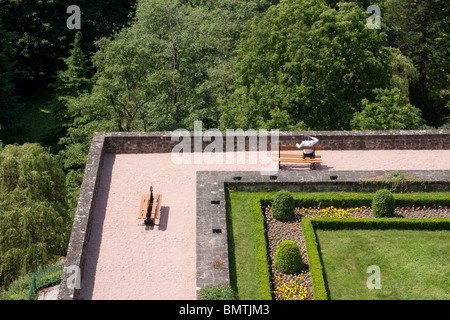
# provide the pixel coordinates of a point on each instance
(298, 285)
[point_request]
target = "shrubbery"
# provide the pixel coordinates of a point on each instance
(219, 292)
(383, 204)
(288, 258)
(283, 206)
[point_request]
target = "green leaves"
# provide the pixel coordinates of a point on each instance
(34, 220)
(313, 63)
(391, 110)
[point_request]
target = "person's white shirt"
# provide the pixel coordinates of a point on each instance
(308, 143)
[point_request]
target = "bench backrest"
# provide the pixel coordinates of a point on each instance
(295, 148)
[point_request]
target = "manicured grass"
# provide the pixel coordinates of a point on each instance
(249, 271)
(414, 264)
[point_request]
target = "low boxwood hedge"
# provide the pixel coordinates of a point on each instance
(359, 199)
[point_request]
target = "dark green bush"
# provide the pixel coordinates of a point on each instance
(283, 206)
(383, 204)
(219, 292)
(288, 258)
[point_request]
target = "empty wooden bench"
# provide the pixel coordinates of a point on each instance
(297, 157)
(150, 208)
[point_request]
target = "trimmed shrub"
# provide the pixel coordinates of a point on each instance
(283, 206)
(383, 204)
(288, 258)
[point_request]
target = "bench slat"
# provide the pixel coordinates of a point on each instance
(155, 207)
(145, 198)
(293, 155)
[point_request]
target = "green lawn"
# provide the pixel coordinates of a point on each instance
(249, 271)
(414, 264)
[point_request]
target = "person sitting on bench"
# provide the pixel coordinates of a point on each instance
(309, 142)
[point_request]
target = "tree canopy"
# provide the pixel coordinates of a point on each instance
(34, 220)
(305, 65)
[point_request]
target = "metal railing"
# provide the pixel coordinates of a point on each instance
(45, 278)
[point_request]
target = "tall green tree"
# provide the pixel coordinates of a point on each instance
(34, 221)
(171, 66)
(73, 81)
(424, 36)
(8, 76)
(390, 110)
(43, 36)
(306, 65)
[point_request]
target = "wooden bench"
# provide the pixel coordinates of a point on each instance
(150, 211)
(297, 157)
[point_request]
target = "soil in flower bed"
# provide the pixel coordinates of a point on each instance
(277, 231)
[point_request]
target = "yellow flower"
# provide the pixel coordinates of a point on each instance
(291, 290)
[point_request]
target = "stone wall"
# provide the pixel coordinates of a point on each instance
(162, 142)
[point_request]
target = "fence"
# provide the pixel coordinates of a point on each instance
(45, 278)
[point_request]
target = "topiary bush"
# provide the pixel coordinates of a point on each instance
(288, 258)
(383, 204)
(283, 206)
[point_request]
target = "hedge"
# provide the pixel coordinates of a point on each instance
(261, 250)
(309, 225)
(359, 199)
(381, 223)
(315, 263)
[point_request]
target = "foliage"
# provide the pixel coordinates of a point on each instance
(293, 290)
(288, 258)
(391, 110)
(351, 199)
(333, 212)
(43, 37)
(219, 292)
(18, 289)
(316, 270)
(74, 81)
(383, 204)
(170, 67)
(283, 206)
(34, 223)
(8, 75)
(422, 34)
(303, 63)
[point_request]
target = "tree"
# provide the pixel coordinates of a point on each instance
(34, 222)
(423, 36)
(304, 63)
(43, 37)
(391, 110)
(8, 75)
(74, 81)
(171, 66)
